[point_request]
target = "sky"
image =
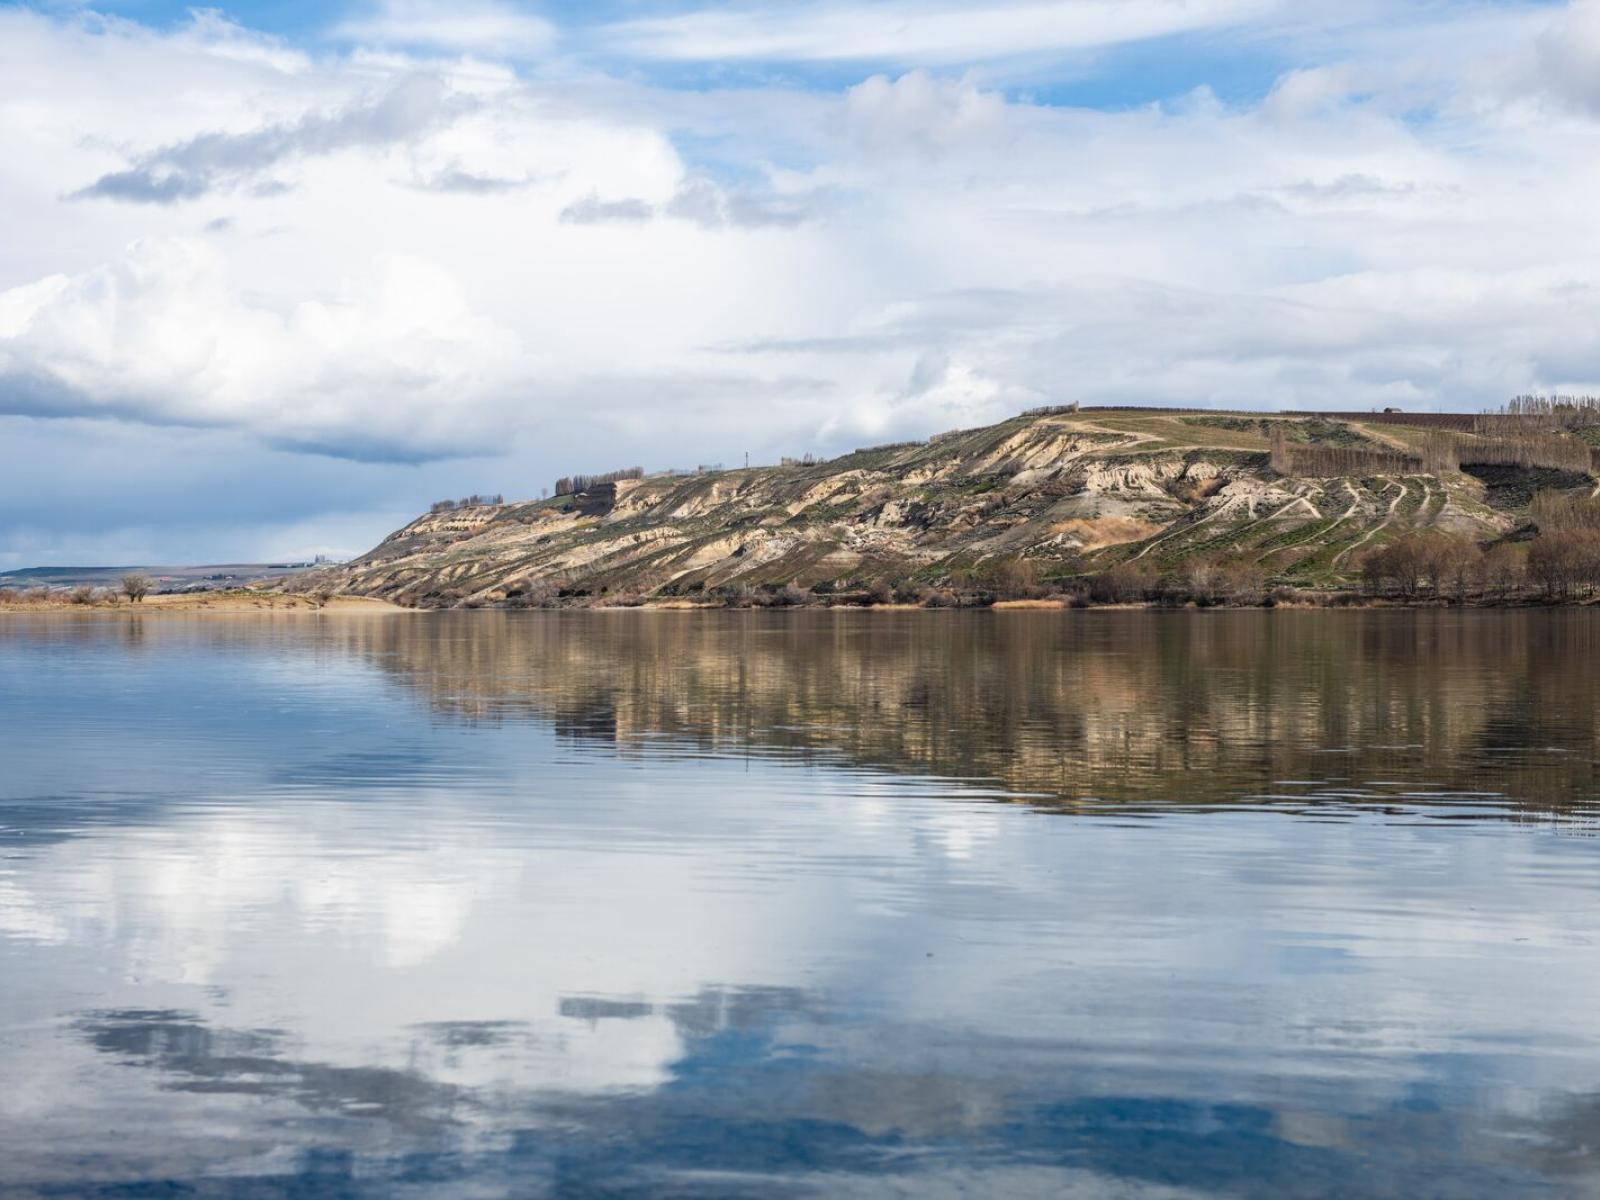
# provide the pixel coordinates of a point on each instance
(275, 276)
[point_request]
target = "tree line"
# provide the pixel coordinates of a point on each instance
(1318, 462)
(1443, 452)
(570, 485)
(472, 501)
(1560, 564)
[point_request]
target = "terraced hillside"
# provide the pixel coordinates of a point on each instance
(1066, 491)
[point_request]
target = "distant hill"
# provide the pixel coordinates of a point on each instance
(1048, 497)
(220, 575)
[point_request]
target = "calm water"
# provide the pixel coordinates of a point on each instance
(913, 904)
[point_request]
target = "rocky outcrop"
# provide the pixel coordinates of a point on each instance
(1066, 491)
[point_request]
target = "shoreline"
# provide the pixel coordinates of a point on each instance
(263, 603)
(363, 607)
(220, 604)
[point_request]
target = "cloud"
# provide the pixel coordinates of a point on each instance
(705, 203)
(411, 106)
(592, 210)
(919, 112)
(347, 253)
(711, 206)
(398, 369)
(1569, 55)
(903, 31)
(479, 26)
(454, 179)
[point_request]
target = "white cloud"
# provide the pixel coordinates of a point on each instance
(1569, 55)
(479, 26)
(410, 107)
(921, 113)
(384, 260)
(903, 31)
(395, 367)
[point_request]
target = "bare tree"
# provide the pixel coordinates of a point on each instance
(136, 586)
(1504, 567)
(1456, 566)
(1243, 583)
(1203, 580)
(1564, 564)
(1123, 583)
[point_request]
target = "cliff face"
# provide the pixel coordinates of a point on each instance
(1064, 490)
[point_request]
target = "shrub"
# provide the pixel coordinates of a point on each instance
(82, 594)
(1014, 579)
(136, 586)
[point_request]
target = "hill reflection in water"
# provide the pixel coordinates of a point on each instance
(1065, 709)
(755, 905)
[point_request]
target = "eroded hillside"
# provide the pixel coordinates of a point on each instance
(1066, 491)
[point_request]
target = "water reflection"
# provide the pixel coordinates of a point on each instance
(1125, 707)
(670, 905)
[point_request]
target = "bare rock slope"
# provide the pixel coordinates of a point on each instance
(1070, 491)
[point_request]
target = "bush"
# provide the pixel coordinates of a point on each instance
(1015, 579)
(82, 594)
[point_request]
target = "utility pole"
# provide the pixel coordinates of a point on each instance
(747, 460)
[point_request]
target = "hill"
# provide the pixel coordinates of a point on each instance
(1054, 498)
(165, 578)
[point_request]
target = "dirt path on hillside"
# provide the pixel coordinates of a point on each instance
(1379, 528)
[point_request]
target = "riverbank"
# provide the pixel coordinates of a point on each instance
(225, 603)
(255, 603)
